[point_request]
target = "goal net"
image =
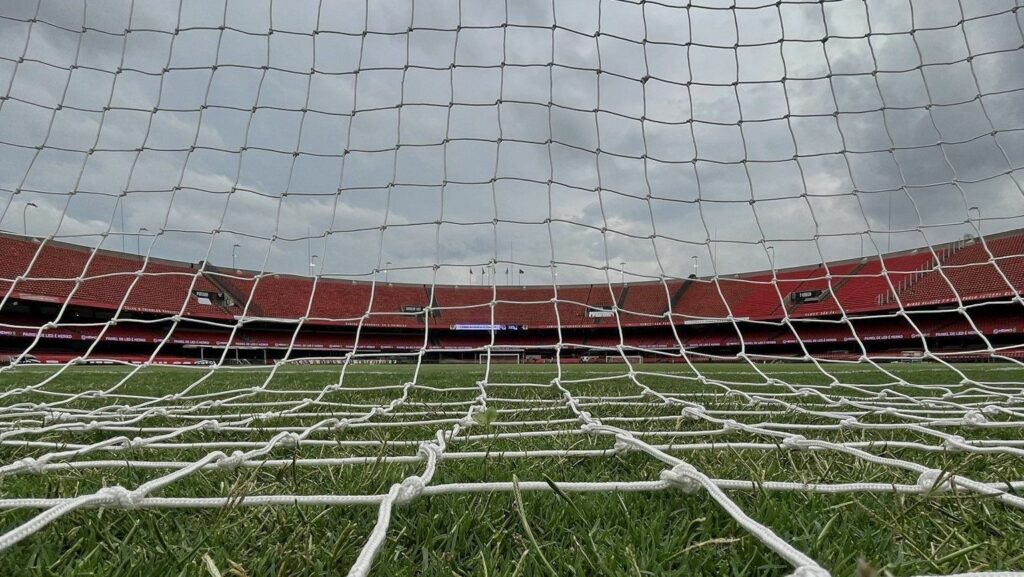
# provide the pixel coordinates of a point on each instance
(631, 359)
(507, 358)
(267, 222)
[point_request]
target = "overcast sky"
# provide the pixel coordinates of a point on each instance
(582, 132)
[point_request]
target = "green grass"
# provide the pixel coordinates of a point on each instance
(513, 533)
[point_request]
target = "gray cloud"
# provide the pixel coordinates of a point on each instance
(829, 139)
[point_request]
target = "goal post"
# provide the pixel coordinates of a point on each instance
(622, 359)
(500, 358)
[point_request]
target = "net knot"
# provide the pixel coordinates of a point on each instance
(974, 417)
(289, 440)
(596, 428)
(341, 424)
(929, 480)
(410, 488)
(427, 449)
(794, 442)
(684, 476)
(621, 446)
(991, 410)
(806, 392)
(848, 423)
(120, 496)
(730, 425)
(137, 442)
(211, 425)
(693, 413)
(466, 422)
(92, 426)
(809, 571)
(32, 464)
(954, 443)
(231, 463)
(56, 417)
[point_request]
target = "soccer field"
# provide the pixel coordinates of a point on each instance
(522, 470)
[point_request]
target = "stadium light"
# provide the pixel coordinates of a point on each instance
(387, 266)
(979, 217)
(234, 250)
(24, 216)
(138, 240)
(771, 256)
(312, 264)
(694, 257)
(622, 271)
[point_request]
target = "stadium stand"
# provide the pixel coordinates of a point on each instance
(98, 284)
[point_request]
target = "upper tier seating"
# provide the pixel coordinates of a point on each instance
(970, 274)
(865, 287)
(163, 287)
(56, 272)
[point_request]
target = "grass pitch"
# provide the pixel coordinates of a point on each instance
(664, 532)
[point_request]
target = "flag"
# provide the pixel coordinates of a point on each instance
(521, 271)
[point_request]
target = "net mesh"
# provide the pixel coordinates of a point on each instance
(604, 175)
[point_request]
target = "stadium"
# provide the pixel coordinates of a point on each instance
(577, 287)
(959, 302)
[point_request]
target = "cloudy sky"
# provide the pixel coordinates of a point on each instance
(585, 133)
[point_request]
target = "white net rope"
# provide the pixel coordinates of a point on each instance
(377, 141)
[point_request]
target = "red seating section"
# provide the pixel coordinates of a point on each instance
(57, 272)
(972, 275)
(163, 287)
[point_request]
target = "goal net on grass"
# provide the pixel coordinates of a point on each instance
(506, 358)
(344, 182)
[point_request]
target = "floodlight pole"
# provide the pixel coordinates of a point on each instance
(979, 218)
(622, 272)
(771, 256)
(138, 240)
(387, 267)
(312, 265)
(888, 232)
(234, 250)
(24, 216)
(694, 257)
